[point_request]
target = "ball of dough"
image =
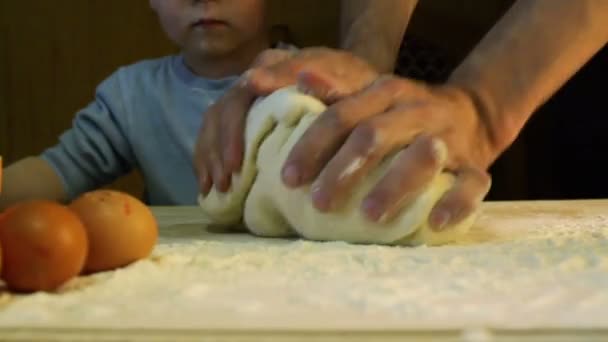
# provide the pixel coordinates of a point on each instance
(267, 208)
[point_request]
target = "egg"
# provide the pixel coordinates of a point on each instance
(120, 229)
(44, 244)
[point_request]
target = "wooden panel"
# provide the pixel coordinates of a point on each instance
(4, 67)
(53, 55)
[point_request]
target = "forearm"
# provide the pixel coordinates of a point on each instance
(374, 29)
(532, 51)
(30, 178)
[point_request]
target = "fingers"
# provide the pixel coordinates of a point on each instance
(232, 127)
(213, 154)
(200, 167)
(269, 73)
(325, 87)
(220, 144)
(319, 86)
(221, 179)
(345, 72)
(265, 80)
(272, 56)
(408, 175)
(327, 133)
(205, 182)
(361, 152)
(368, 144)
(204, 153)
(469, 189)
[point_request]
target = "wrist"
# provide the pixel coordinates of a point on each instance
(496, 123)
(381, 57)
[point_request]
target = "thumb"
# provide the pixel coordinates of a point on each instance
(321, 86)
(262, 81)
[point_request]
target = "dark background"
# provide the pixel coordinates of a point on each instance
(560, 152)
(54, 53)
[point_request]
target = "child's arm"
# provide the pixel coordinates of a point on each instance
(93, 152)
(30, 178)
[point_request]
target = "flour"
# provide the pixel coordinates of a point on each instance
(556, 275)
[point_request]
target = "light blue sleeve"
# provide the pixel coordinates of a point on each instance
(96, 149)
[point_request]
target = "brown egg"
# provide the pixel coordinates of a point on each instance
(44, 245)
(120, 228)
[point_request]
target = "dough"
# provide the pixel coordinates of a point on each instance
(267, 208)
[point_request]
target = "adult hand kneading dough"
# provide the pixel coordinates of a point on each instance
(259, 199)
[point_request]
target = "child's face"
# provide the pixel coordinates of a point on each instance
(211, 27)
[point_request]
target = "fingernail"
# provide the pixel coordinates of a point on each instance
(320, 199)
(439, 220)
(291, 176)
(372, 209)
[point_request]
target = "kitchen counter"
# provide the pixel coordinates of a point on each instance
(527, 271)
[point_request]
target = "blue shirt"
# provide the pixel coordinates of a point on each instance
(145, 116)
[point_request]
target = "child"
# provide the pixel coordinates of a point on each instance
(147, 115)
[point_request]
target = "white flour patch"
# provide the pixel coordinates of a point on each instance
(555, 276)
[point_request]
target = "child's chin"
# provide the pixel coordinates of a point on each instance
(212, 48)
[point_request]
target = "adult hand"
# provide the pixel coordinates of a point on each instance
(411, 119)
(327, 74)
(220, 143)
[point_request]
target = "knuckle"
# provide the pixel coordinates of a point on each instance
(268, 57)
(337, 118)
(390, 84)
(426, 152)
(366, 138)
(212, 157)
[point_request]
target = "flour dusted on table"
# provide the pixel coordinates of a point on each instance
(554, 274)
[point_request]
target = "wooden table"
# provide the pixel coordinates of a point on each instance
(529, 271)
